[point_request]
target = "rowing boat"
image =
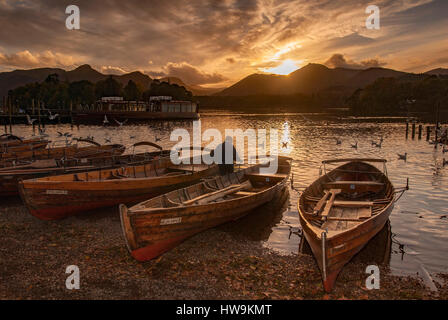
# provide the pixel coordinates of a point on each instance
(61, 152)
(56, 197)
(342, 210)
(159, 224)
(12, 143)
(10, 176)
(24, 147)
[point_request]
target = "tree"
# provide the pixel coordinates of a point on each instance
(108, 88)
(82, 92)
(132, 92)
(166, 89)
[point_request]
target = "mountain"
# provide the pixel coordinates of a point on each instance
(13, 79)
(84, 72)
(438, 71)
(17, 78)
(195, 89)
(368, 76)
(139, 78)
(310, 79)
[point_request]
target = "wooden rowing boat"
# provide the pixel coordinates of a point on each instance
(15, 144)
(59, 196)
(24, 147)
(157, 225)
(61, 152)
(10, 176)
(11, 139)
(342, 210)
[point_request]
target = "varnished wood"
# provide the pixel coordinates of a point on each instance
(355, 216)
(159, 224)
(59, 196)
(10, 176)
(61, 152)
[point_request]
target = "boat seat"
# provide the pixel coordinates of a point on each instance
(355, 186)
(245, 193)
(186, 167)
(353, 203)
(260, 177)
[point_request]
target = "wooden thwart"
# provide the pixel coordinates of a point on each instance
(356, 183)
(353, 203)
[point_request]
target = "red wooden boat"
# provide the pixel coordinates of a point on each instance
(57, 197)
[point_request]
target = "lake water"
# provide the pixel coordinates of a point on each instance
(419, 224)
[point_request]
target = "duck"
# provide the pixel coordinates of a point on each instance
(402, 156)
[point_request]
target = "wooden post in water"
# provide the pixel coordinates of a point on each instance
(10, 115)
(71, 114)
(38, 115)
(420, 129)
(428, 133)
(407, 128)
(4, 111)
(32, 115)
(437, 125)
(413, 130)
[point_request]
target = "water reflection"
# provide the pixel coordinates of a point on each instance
(259, 223)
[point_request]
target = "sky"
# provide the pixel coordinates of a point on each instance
(215, 43)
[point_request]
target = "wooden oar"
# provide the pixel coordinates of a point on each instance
(327, 209)
(321, 203)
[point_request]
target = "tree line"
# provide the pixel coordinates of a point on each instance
(399, 96)
(58, 94)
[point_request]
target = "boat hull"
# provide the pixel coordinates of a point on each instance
(27, 146)
(63, 152)
(341, 249)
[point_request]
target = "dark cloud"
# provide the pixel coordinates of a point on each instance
(353, 39)
(338, 60)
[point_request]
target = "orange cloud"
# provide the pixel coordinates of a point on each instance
(26, 59)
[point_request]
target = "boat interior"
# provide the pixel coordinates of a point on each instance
(242, 183)
(346, 196)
